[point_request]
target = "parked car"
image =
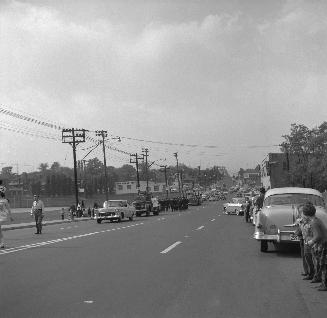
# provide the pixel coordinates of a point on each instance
(275, 222)
(115, 210)
(235, 207)
(194, 200)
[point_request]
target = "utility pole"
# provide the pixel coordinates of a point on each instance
(164, 169)
(104, 134)
(145, 155)
(179, 183)
(74, 137)
(137, 158)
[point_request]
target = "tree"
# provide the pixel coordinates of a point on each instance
(55, 167)
(306, 150)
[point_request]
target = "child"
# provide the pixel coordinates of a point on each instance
(319, 246)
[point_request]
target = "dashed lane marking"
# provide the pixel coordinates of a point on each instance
(168, 249)
(213, 220)
(39, 244)
(200, 228)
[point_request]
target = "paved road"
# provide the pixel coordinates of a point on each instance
(196, 263)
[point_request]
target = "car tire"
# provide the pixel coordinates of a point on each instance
(263, 246)
(99, 221)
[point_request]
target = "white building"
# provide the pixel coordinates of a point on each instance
(131, 187)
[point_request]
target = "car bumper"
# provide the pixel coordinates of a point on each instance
(107, 217)
(281, 236)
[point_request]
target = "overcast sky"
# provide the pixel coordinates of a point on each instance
(232, 75)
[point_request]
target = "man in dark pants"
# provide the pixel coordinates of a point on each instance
(38, 212)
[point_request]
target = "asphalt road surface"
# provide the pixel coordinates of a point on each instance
(193, 263)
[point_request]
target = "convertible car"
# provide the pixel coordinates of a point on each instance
(275, 222)
(235, 207)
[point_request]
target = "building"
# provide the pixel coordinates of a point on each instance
(274, 170)
(252, 177)
(130, 187)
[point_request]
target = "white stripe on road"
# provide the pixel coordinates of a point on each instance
(200, 227)
(168, 249)
(213, 220)
(39, 244)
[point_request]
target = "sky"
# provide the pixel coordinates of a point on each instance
(217, 81)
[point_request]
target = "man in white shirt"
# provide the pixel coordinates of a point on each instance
(38, 212)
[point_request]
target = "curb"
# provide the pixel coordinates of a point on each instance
(46, 223)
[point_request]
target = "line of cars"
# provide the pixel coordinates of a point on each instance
(276, 221)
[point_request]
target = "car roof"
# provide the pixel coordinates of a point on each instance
(274, 191)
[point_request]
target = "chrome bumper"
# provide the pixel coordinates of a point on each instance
(281, 236)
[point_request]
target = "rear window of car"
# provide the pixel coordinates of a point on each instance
(293, 199)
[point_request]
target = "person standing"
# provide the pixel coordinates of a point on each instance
(304, 232)
(5, 213)
(38, 212)
(319, 248)
(260, 199)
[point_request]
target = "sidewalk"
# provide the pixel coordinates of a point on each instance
(17, 226)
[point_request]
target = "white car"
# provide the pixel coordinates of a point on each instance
(275, 222)
(237, 206)
(115, 210)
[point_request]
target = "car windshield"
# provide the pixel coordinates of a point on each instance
(238, 200)
(293, 198)
(115, 203)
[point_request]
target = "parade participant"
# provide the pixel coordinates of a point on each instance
(5, 213)
(38, 212)
(319, 248)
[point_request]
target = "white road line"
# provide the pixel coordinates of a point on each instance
(168, 249)
(40, 244)
(200, 227)
(213, 220)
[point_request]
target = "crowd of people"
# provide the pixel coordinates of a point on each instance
(174, 204)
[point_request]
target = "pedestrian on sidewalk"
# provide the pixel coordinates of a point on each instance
(319, 248)
(304, 232)
(62, 213)
(38, 212)
(5, 213)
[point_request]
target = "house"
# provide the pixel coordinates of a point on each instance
(130, 187)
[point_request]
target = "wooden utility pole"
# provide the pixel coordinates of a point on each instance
(103, 134)
(74, 137)
(146, 155)
(164, 169)
(179, 183)
(137, 158)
